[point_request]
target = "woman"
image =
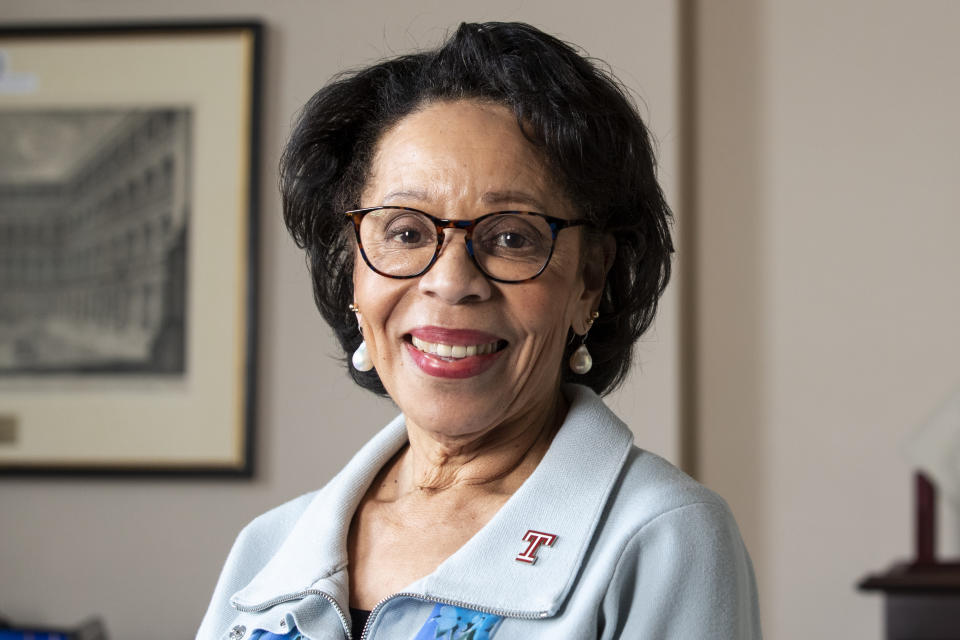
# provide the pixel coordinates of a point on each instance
(487, 238)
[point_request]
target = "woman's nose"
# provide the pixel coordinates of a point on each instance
(454, 277)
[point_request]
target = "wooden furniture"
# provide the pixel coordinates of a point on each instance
(922, 598)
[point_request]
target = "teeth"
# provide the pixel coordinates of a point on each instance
(453, 350)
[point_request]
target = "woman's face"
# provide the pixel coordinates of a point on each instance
(460, 160)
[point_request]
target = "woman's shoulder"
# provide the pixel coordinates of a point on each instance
(680, 561)
(647, 487)
(651, 489)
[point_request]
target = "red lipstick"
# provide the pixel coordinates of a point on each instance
(445, 367)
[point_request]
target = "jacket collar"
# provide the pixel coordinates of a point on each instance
(563, 497)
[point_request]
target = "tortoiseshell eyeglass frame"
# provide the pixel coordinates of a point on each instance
(556, 225)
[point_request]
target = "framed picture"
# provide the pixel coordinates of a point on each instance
(127, 231)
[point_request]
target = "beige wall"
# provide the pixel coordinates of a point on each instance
(145, 554)
(830, 211)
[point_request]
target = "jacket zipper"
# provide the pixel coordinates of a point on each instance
(503, 613)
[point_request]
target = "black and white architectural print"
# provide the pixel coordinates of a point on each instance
(94, 220)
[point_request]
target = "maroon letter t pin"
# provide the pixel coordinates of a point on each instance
(535, 538)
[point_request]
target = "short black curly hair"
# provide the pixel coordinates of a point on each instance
(577, 114)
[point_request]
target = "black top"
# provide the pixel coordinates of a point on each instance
(358, 618)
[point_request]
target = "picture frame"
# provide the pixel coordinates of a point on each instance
(128, 233)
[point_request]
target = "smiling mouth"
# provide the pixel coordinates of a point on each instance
(455, 351)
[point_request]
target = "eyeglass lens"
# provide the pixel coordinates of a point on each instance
(507, 246)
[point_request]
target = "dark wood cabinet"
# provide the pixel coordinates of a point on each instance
(921, 602)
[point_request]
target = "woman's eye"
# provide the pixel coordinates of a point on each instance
(404, 231)
(510, 240)
(512, 235)
(406, 236)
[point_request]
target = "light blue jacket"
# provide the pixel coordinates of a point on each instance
(640, 551)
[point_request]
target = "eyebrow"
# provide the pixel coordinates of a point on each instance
(407, 195)
(511, 197)
(490, 198)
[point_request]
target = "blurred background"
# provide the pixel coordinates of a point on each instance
(811, 151)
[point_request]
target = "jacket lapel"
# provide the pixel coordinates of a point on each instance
(314, 555)
(564, 497)
(561, 503)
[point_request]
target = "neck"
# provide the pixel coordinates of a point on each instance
(496, 460)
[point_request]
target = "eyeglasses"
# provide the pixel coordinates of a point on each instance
(507, 246)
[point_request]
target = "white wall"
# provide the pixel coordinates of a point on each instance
(145, 554)
(830, 218)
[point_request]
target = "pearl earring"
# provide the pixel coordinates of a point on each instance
(361, 357)
(580, 360)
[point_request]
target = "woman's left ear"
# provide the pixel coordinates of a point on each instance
(596, 265)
